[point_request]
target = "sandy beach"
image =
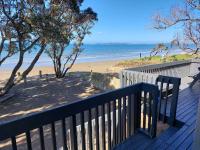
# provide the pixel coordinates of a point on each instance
(100, 67)
(38, 95)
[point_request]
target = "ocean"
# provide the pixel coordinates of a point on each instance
(93, 53)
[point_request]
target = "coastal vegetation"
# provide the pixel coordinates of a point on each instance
(155, 60)
(75, 26)
(31, 26)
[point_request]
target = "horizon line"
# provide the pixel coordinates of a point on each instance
(93, 43)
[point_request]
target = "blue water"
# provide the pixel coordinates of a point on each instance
(93, 53)
(100, 52)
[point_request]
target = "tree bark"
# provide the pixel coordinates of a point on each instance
(28, 70)
(10, 83)
(76, 55)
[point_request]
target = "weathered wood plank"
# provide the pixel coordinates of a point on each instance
(196, 143)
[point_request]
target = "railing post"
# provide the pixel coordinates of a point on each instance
(121, 79)
(175, 93)
(73, 133)
(131, 114)
(154, 114)
(137, 110)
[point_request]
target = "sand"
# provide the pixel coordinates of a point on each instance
(39, 94)
(101, 67)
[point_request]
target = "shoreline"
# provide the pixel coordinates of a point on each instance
(111, 66)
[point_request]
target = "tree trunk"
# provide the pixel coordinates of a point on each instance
(10, 83)
(64, 73)
(28, 70)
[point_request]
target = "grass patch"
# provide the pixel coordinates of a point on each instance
(155, 60)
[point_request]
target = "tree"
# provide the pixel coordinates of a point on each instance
(160, 48)
(74, 27)
(187, 16)
(26, 26)
(10, 48)
(18, 36)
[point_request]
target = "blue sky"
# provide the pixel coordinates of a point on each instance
(129, 21)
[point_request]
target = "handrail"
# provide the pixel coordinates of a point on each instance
(161, 66)
(149, 73)
(122, 107)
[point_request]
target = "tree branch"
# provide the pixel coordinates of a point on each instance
(30, 67)
(32, 44)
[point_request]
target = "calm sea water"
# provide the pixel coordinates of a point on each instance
(93, 53)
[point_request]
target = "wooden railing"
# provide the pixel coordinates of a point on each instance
(168, 98)
(149, 73)
(98, 122)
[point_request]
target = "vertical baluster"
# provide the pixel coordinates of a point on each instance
(28, 140)
(119, 120)
(41, 133)
(73, 133)
(83, 131)
(142, 79)
(124, 117)
(109, 126)
(149, 113)
(137, 78)
(130, 78)
(160, 97)
(125, 77)
(53, 136)
(97, 127)
(134, 79)
(133, 113)
(144, 110)
(147, 79)
(175, 92)
(90, 129)
(152, 80)
(166, 99)
(154, 114)
(137, 110)
(114, 122)
(14, 144)
(129, 116)
(139, 101)
(103, 127)
(64, 137)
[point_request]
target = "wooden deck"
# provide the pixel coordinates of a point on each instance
(173, 138)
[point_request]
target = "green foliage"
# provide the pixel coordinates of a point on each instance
(155, 60)
(180, 57)
(29, 24)
(69, 23)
